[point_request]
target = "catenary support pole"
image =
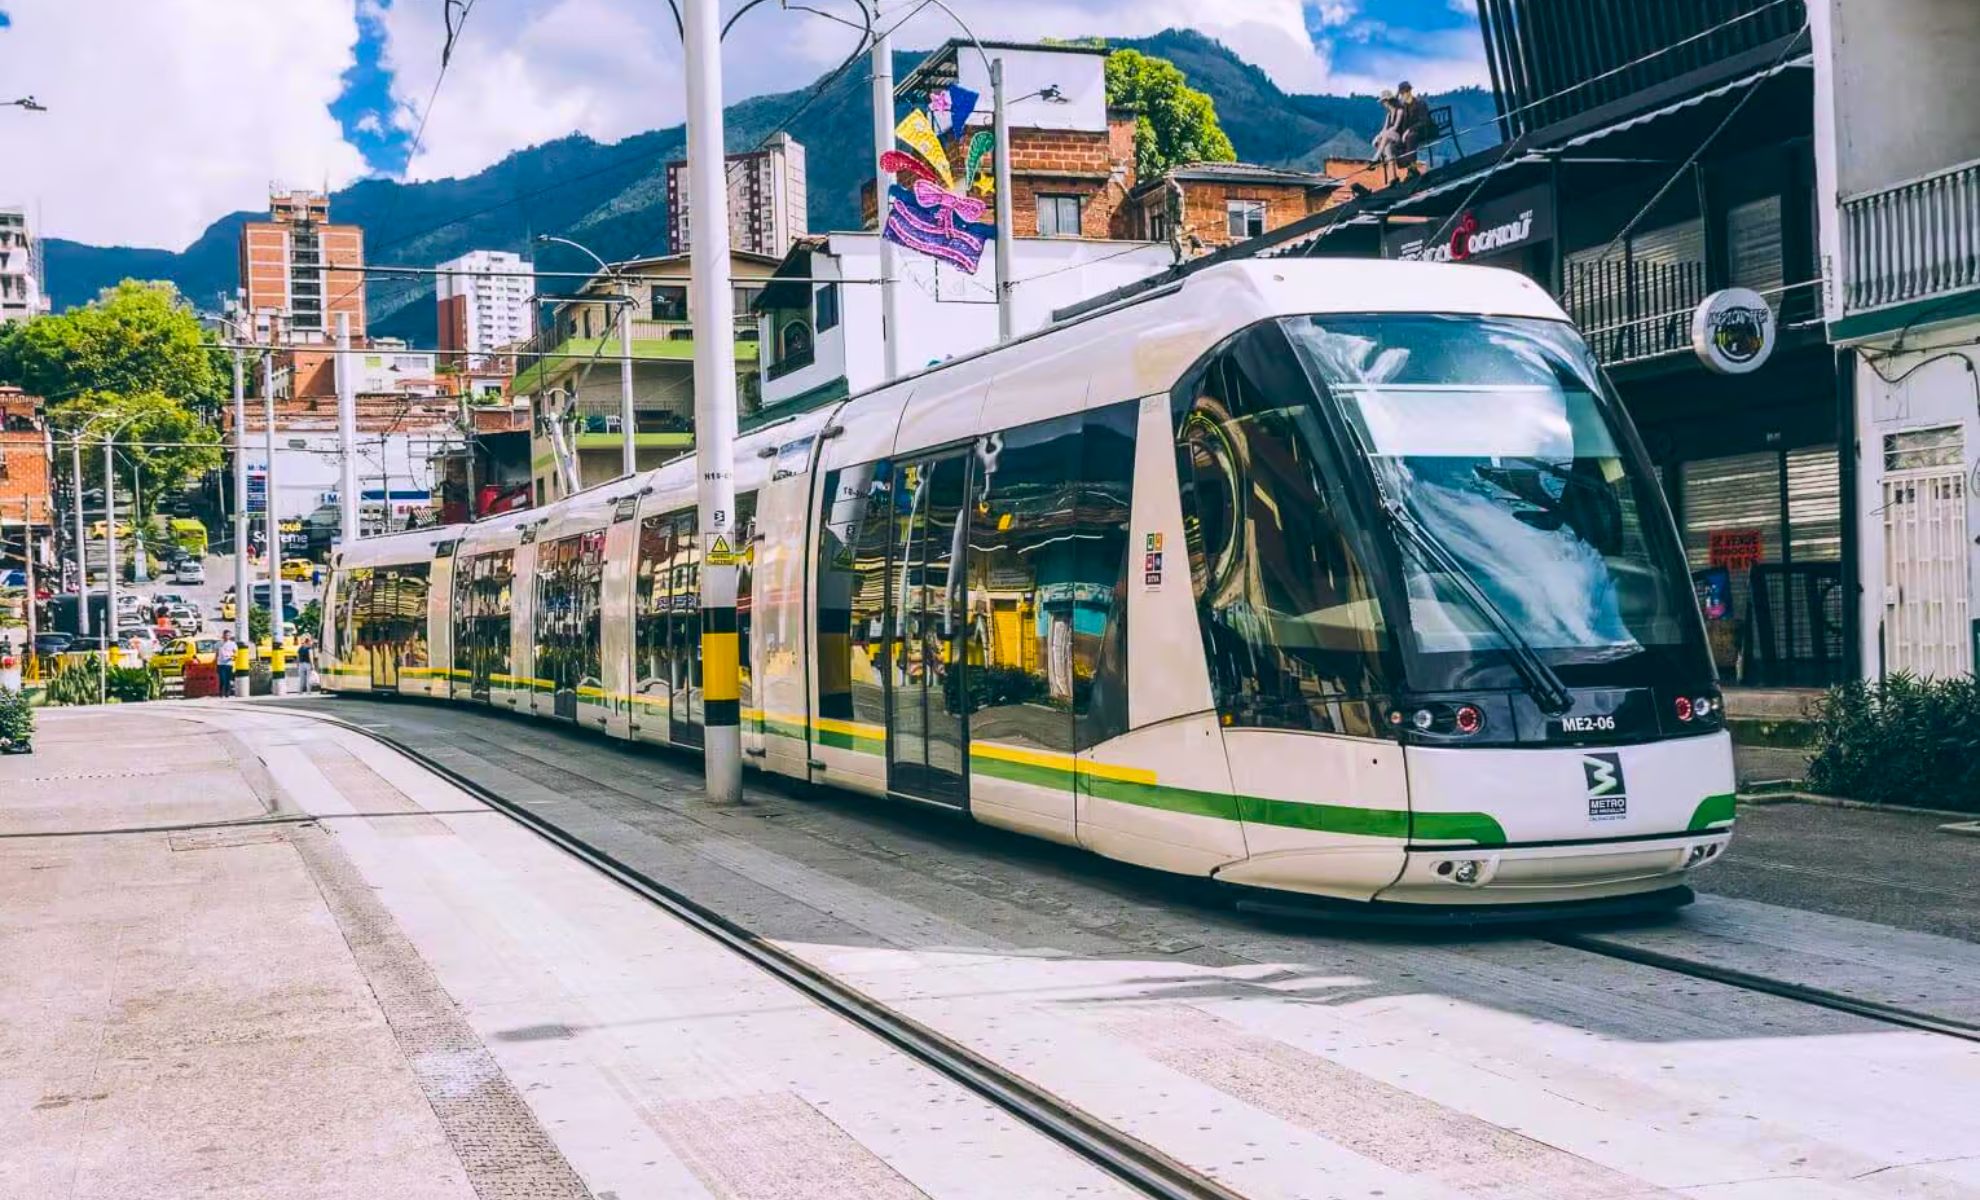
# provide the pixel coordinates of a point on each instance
(347, 480)
(242, 586)
(628, 443)
(714, 403)
(84, 626)
(1001, 165)
(883, 180)
(27, 556)
(109, 546)
(277, 665)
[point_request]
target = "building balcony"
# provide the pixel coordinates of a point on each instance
(1631, 311)
(1913, 241)
(789, 365)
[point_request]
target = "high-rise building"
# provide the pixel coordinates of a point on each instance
(298, 264)
(484, 306)
(766, 199)
(21, 295)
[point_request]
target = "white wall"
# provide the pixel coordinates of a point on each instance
(1904, 77)
(305, 473)
(1081, 78)
(1936, 387)
(945, 312)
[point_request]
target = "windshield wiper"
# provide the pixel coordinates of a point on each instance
(1546, 687)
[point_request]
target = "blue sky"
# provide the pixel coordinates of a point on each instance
(1363, 44)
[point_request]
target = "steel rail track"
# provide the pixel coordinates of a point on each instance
(1127, 1158)
(1874, 1010)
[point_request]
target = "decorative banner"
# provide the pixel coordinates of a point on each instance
(939, 224)
(933, 213)
(982, 145)
(918, 132)
(897, 161)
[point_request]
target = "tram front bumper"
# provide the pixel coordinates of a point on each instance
(1549, 873)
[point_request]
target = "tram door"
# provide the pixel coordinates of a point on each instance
(683, 633)
(927, 750)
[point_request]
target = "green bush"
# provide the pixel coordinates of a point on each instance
(132, 685)
(75, 683)
(16, 718)
(1901, 740)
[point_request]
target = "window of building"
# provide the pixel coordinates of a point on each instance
(794, 342)
(1246, 218)
(1058, 216)
(1753, 244)
(828, 306)
(670, 302)
(1924, 449)
(744, 298)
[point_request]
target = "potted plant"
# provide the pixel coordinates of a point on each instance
(16, 723)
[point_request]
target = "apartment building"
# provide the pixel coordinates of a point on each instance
(298, 264)
(766, 199)
(483, 297)
(21, 295)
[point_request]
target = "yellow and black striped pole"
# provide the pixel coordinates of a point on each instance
(712, 309)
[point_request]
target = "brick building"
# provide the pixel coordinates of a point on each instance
(25, 489)
(298, 264)
(1223, 203)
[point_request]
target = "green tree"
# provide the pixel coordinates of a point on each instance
(132, 339)
(163, 441)
(1177, 123)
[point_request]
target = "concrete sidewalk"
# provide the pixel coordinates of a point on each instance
(186, 1011)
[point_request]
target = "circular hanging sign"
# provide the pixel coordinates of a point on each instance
(1732, 331)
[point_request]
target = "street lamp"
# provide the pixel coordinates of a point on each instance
(628, 458)
(241, 678)
(27, 102)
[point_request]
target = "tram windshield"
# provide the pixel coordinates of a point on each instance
(1533, 515)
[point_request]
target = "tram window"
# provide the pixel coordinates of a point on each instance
(388, 613)
(1022, 614)
(852, 593)
(1103, 507)
(483, 586)
(651, 603)
(569, 570)
(1291, 623)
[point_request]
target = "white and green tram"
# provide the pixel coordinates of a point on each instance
(1341, 578)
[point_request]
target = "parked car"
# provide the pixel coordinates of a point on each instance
(189, 570)
(177, 653)
(141, 638)
(185, 618)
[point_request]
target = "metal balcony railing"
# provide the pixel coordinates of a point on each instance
(790, 365)
(1913, 240)
(1634, 310)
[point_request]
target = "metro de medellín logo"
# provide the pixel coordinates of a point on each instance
(1608, 800)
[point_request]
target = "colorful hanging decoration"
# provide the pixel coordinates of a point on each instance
(933, 212)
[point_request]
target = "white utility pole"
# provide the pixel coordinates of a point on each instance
(711, 309)
(276, 686)
(347, 482)
(628, 452)
(83, 622)
(241, 532)
(110, 544)
(27, 528)
(1001, 165)
(883, 180)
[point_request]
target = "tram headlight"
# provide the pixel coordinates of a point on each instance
(1705, 706)
(1424, 719)
(1685, 711)
(1469, 718)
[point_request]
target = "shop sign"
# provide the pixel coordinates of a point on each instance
(1732, 331)
(1481, 232)
(1734, 549)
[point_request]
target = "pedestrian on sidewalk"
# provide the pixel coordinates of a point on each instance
(224, 661)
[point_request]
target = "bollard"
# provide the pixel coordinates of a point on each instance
(278, 666)
(243, 671)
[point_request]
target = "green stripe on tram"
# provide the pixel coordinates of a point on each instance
(1712, 810)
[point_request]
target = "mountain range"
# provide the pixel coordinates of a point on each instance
(612, 196)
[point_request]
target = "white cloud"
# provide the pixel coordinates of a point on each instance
(523, 74)
(164, 115)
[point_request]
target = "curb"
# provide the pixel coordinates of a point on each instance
(1964, 823)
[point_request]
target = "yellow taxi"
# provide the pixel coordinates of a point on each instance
(178, 652)
(227, 607)
(300, 570)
